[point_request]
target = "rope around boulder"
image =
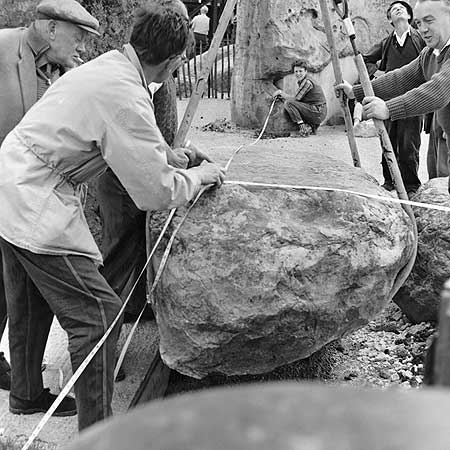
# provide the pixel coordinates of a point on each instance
(83, 365)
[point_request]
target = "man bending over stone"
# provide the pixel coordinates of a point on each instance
(308, 108)
(71, 135)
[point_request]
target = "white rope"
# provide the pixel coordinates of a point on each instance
(133, 328)
(94, 351)
(172, 238)
(347, 191)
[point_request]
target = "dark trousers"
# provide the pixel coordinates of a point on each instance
(201, 42)
(123, 241)
(70, 287)
(438, 153)
(405, 138)
(304, 112)
(3, 315)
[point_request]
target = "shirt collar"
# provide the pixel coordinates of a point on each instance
(37, 44)
(437, 52)
(132, 56)
(401, 39)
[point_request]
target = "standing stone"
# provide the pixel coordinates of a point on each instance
(271, 34)
(259, 278)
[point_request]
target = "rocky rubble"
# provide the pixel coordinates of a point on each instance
(389, 351)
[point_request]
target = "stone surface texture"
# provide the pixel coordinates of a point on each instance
(419, 297)
(259, 278)
(274, 33)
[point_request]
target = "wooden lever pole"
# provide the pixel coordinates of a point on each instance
(338, 76)
(386, 146)
(203, 78)
(156, 379)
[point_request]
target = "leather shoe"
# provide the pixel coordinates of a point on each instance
(388, 186)
(5, 373)
(42, 404)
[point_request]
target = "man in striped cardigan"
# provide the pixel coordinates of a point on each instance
(423, 85)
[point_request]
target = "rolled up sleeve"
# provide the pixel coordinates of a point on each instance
(135, 149)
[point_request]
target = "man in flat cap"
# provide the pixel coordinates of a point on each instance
(97, 116)
(31, 59)
(398, 49)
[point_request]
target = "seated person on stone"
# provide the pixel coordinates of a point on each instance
(308, 108)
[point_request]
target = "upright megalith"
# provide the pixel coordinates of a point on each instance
(262, 277)
(271, 34)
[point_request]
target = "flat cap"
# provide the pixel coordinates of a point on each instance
(68, 11)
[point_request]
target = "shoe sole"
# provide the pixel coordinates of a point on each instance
(27, 412)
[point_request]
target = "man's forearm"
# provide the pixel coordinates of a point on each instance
(428, 97)
(395, 83)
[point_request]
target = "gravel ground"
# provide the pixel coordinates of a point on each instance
(388, 352)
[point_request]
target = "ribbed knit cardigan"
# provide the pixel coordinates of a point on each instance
(420, 87)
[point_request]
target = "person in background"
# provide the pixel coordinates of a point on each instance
(308, 108)
(200, 27)
(73, 134)
(31, 59)
(402, 46)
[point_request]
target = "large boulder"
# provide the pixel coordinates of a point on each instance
(282, 416)
(419, 297)
(261, 277)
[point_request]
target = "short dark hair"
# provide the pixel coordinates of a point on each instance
(160, 30)
(300, 63)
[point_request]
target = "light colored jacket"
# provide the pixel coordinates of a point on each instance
(96, 115)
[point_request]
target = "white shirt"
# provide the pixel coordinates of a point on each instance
(95, 116)
(401, 39)
(200, 24)
(437, 52)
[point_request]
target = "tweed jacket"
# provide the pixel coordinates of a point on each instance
(18, 80)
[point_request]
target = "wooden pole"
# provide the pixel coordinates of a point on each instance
(338, 76)
(386, 146)
(203, 78)
(157, 377)
(388, 152)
